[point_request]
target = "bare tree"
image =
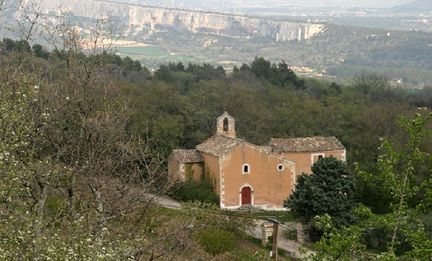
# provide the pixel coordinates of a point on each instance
(77, 146)
(28, 19)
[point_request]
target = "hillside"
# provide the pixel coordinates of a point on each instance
(417, 6)
(395, 53)
(157, 35)
(145, 20)
(85, 141)
(399, 54)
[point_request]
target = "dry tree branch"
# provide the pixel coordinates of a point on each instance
(28, 19)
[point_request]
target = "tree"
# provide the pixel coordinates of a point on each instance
(164, 74)
(366, 83)
(261, 67)
(335, 88)
(69, 169)
(39, 51)
(283, 76)
(406, 235)
(329, 190)
(28, 19)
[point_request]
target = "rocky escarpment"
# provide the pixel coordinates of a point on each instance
(147, 19)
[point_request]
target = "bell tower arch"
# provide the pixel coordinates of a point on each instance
(225, 126)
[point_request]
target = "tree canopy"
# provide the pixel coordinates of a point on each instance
(404, 231)
(328, 190)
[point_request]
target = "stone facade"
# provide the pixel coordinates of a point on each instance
(225, 126)
(181, 162)
(245, 174)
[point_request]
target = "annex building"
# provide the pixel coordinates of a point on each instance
(247, 175)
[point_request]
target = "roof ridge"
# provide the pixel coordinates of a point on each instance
(271, 153)
(308, 137)
(219, 144)
(306, 144)
(186, 155)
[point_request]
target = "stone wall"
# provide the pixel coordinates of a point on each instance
(305, 160)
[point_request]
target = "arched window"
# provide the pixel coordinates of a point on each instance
(225, 125)
(246, 169)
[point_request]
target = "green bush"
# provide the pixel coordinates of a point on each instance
(195, 191)
(216, 242)
(192, 190)
(55, 206)
(291, 234)
(329, 190)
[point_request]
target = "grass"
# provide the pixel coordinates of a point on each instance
(156, 53)
(246, 245)
(283, 255)
(152, 51)
(281, 216)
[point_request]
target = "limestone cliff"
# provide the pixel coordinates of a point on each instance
(147, 19)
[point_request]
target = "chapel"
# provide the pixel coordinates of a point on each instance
(247, 175)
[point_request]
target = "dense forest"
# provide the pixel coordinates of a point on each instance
(85, 135)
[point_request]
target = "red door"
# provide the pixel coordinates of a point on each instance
(246, 196)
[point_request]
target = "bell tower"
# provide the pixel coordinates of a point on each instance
(226, 126)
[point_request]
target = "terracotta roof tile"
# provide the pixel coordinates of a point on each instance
(310, 144)
(219, 145)
(186, 156)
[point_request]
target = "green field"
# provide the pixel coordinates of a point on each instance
(151, 55)
(143, 51)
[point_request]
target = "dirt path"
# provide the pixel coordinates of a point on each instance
(164, 201)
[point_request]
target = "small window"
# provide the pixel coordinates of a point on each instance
(246, 169)
(280, 167)
(225, 125)
(317, 157)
